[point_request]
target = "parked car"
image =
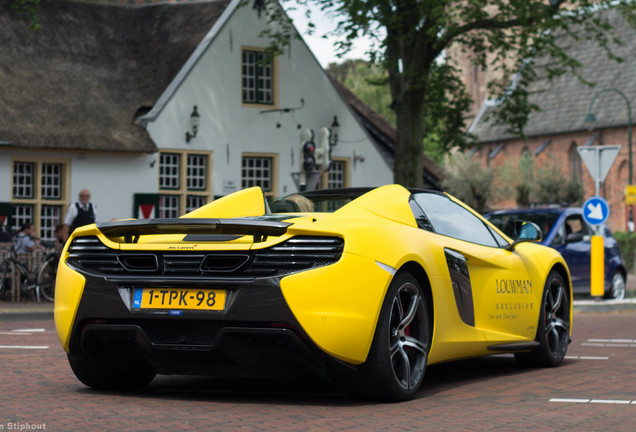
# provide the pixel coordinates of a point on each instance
(565, 230)
(368, 287)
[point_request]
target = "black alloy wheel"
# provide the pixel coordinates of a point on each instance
(395, 367)
(553, 332)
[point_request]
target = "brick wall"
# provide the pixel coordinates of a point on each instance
(558, 152)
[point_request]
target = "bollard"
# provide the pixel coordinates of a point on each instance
(597, 277)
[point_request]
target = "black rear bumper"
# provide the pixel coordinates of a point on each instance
(255, 335)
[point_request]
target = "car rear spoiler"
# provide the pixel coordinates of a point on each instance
(131, 230)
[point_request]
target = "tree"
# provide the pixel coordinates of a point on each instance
(368, 82)
(529, 184)
(469, 181)
(411, 37)
(553, 187)
(516, 178)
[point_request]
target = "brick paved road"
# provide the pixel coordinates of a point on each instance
(594, 390)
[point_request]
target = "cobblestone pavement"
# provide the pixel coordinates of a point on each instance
(593, 390)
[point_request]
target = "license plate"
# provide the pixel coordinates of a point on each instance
(178, 298)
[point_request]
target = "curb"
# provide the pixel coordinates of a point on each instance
(605, 305)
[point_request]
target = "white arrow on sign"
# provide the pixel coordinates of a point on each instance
(596, 211)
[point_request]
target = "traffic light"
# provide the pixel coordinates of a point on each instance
(323, 150)
(309, 149)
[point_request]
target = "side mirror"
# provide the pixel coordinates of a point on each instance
(527, 232)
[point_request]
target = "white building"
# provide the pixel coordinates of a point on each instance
(101, 98)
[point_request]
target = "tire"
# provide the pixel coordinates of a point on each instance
(395, 367)
(46, 280)
(553, 330)
(108, 377)
(617, 288)
(5, 286)
(3, 283)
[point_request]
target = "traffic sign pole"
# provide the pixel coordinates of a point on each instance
(595, 212)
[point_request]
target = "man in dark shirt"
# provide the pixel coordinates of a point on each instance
(80, 213)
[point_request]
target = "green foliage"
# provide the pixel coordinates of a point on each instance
(627, 243)
(368, 81)
(411, 37)
(467, 180)
(30, 9)
(480, 187)
(517, 179)
(551, 186)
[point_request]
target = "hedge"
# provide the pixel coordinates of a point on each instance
(627, 242)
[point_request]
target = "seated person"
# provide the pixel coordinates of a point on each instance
(25, 240)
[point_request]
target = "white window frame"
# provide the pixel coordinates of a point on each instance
(184, 176)
(338, 175)
(253, 179)
(258, 83)
(46, 200)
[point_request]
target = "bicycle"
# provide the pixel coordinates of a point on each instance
(40, 280)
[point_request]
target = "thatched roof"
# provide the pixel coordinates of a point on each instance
(81, 80)
(564, 101)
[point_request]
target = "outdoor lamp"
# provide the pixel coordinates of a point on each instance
(194, 123)
(590, 118)
(335, 130)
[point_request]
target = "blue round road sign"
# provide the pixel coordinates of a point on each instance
(595, 210)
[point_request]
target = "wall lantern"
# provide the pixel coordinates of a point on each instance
(194, 123)
(335, 131)
(590, 118)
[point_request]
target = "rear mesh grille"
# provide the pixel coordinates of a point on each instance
(296, 254)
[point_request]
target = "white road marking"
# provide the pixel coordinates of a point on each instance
(613, 343)
(570, 400)
(610, 401)
(595, 401)
(22, 332)
(587, 357)
(24, 347)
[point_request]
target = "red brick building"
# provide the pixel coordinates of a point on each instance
(554, 133)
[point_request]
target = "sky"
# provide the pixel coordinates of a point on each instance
(322, 48)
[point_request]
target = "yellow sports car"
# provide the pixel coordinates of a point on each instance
(364, 286)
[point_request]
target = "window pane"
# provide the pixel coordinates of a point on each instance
(257, 172)
(258, 79)
(169, 206)
(51, 181)
(249, 76)
(336, 175)
(23, 173)
(21, 213)
(49, 218)
(169, 171)
(197, 172)
(193, 202)
(452, 220)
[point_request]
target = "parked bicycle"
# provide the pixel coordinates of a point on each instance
(38, 279)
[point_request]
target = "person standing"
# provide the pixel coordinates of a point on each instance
(80, 213)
